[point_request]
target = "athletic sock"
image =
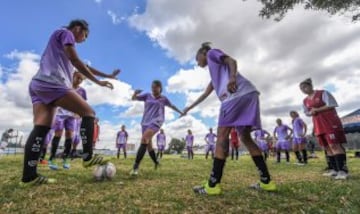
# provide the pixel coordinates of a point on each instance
(139, 156)
(328, 161)
(332, 161)
(125, 155)
(33, 146)
(341, 162)
(67, 148)
(54, 146)
(298, 156)
(278, 156)
(217, 172)
(43, 153)
(153, 156)
(287, 156)
(87, 135)
(304, 153)
(262, 168)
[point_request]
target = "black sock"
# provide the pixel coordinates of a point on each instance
(332, 161)
(33, 146)
(217, 172)
(161, 154)
(67, 148)
(287, 156)
(328, 161)
(153, 156)
(278, 157)
(262, 168)
(87, 135)
(304, 154)
(232, 154)
(43, 153)
(265, 156)
(341, 162)
(54, 146)
(118, 154)
(237, 154)
(140, 155)
(157, 155)
(298, 156)
(125, 154)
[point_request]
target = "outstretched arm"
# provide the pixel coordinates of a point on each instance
(102, 74)
(206, 93)
(176, 109)
(82, 68)
(136, 92)
(305, 129)
(291, 132)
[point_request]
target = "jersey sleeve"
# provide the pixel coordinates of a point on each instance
(329, 99)
(216, 55)
(167, 102)
(142, 97)
(66, 37)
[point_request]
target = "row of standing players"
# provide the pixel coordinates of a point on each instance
(52, 87)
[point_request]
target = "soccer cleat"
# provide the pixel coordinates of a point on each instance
(95, 160)
(157, 165)
(134, 172)
(38, 181)
(270, 187)
(341, 175)
(53, 165)
(330, 173)
(205, 189)
(66, 164)
(44, 162)
(300, 163)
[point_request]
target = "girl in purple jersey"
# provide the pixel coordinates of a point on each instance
(121, 141)
(153, 118)
(189, 140)
(299, 139)
(239, 109)
(282, 135)
(52, 87)
(161, 143)
(261, 137)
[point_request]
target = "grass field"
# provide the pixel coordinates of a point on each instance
(168, 190)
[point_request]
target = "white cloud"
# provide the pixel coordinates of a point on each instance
(98, 1)
(275, 56)
(115, 18)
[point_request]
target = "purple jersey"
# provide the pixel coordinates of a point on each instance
(282, 132)
(122, 137)
(189, 139)
(298, 127)
(161, 139)
(220, 73)
(154, 112)
(55, 66)
(259, 135)
(210, 138)
(81, 91)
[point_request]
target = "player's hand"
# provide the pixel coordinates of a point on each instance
(185, 111)
(106, 84)
(137, 91)
(115, 73)
(313, 111)
(232, 87)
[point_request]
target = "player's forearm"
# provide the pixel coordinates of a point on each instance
(82, 68)
(98, 73)
(323, 108)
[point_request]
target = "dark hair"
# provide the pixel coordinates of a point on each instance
(158, 83)
(78, 22)
(294, 112)
(308, 81)
(205, 47)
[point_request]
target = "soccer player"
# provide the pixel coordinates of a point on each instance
(328, 129)
(96, 132)
(189, 140)
(121, 141)
(234, 144)
(153, 118)
(210, 139)
(239, 108)
(261, 137)
(51, 87)
(161, 143)
(66, 120)
(299, 140)
(282, 137)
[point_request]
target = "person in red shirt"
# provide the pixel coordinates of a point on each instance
(235, 144)
(96, 131)
(320, 105)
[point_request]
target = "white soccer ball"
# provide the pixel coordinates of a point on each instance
(103, 172)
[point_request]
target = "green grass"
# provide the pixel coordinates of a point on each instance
(169, 190)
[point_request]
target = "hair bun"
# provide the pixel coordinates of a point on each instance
(206, 44)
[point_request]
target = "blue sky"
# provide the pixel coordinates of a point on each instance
(157, 39)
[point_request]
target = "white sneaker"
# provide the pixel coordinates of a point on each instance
(330, 173)
(134, 172)
(299, 164)
(341, 175)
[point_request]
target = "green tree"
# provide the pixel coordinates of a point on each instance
(175, 145)
(277, 9)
